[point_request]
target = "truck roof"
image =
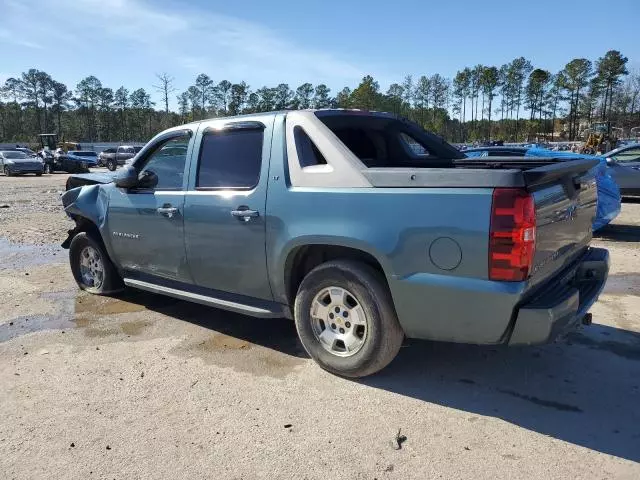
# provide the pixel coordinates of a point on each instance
(318, 111)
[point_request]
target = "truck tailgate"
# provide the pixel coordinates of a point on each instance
(565, 197)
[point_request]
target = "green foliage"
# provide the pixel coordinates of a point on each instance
(461, 110)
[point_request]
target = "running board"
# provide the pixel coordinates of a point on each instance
(254, 311)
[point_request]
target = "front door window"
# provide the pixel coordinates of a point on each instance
(164, 168)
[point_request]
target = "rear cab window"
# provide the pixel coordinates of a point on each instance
(387, 141)
(308, 153)
(416, 148)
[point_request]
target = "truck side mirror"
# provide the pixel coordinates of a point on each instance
(127, 177)
(148, 179)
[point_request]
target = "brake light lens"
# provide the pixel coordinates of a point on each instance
(512, 237)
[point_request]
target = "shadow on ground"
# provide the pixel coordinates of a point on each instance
(619, 233)
(584, 390)
(277, 334)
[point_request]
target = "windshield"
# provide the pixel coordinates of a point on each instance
(14, 155)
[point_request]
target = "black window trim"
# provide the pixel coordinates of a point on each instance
(232, 127)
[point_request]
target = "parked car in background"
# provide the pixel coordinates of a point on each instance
(624, 167)
(73, 161)
(15, 162)
(114, 157)
(361, 226)
(609, 198)
(104, 154)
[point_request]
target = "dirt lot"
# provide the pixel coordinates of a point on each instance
(148, 387)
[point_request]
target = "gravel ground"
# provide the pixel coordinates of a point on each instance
(146, 387)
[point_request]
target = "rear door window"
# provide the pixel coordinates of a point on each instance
(230, 159)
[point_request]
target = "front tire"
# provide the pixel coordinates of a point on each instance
(112, 165)
(91, 266)
(7, 172)
(346, 320)
(47, 168)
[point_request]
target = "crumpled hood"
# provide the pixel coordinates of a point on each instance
(89, 179)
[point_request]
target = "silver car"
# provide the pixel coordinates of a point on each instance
(624, 167)
(14, 162)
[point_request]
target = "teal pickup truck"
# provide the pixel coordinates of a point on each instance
(360, 226)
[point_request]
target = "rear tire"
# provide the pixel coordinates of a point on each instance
(353, 337)
(112, 165)
(47, 169)
(7, 172)
(91, 266)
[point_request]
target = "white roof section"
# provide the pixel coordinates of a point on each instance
(343, 168)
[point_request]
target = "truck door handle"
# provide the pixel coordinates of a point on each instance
(167, 210)
(245, 214)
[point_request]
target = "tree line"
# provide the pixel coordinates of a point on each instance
(513, 102)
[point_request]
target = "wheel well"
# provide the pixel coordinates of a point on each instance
(305, 258)
(83, 225)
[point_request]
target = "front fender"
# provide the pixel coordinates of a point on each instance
(87, 204)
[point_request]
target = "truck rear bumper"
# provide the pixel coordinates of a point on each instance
(562, 304)
(464, 310)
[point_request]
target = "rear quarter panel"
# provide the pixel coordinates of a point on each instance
(431, 243)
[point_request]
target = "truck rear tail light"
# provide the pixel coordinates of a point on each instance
(512, 236)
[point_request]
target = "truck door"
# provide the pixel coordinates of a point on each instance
(146, 223)
(224, 212)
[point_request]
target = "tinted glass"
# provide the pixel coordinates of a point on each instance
(87, 154)
(308, 153)
(414, 146)
(167, 162)
(230, 159)
(109, 150)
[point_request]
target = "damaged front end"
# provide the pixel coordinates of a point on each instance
(87, 207)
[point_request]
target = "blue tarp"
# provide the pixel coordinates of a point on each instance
(609, 200)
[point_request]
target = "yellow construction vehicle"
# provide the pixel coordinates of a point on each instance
(601, 138)
(53, 151)
(50, 141)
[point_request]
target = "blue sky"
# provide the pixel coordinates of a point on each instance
(125, 42)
